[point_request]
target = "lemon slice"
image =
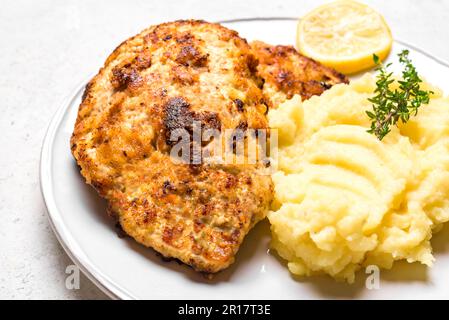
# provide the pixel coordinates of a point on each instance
(344, 35)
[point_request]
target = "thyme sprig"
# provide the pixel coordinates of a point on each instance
(390, 106)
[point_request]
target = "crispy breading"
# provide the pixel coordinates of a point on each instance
(158, 81)
(286, 73)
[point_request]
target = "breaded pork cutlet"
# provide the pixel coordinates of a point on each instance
(286, 73)
(156, 82)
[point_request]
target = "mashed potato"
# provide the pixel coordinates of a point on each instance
(344, 199)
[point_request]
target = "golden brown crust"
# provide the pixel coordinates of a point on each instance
(152, 84)
(286, 73)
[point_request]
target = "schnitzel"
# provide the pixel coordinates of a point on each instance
(154, 83)
(286, 72)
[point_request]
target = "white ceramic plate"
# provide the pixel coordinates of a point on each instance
(124, 269)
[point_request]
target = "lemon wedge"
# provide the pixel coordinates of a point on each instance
(344, 35)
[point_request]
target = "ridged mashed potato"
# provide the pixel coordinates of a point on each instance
(344, 199)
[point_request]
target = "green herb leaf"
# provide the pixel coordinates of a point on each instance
(391, 106)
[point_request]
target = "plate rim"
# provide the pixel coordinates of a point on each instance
(65, 238)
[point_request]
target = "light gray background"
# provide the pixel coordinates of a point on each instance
(48, 47)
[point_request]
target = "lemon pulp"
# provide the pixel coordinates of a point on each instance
(344, 35)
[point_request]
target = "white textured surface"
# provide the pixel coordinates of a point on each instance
(48, 47)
